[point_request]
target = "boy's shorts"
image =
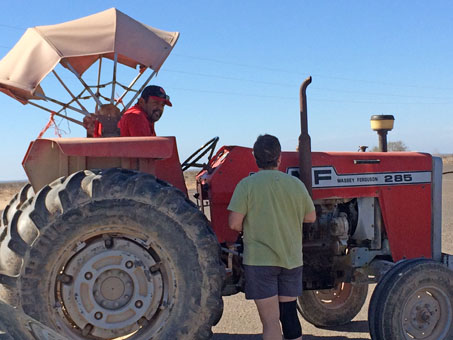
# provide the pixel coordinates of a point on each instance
(262, 282)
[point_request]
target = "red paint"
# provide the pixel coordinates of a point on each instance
(128, 147)
(406, 208)
(155, 155)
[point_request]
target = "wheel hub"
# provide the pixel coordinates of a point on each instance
(110, 288)
(113, 289)
(422, 316)
(335, 297)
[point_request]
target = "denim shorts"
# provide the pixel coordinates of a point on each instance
(262, 282)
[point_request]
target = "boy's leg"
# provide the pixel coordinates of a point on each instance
(261, 285)
(292, 329)
(289, 287)
(268, 310)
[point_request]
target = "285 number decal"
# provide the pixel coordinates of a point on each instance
(399, 178)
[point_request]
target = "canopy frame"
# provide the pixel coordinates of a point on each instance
(95, 95)
(77, 45)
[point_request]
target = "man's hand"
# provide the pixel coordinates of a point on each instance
(89, 123)
(235, 220)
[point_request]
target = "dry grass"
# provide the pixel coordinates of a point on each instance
(447, 159)
(7, 192)
(189, 178)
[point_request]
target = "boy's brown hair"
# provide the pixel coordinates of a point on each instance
(267, 150)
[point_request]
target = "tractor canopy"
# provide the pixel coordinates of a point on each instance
(77, 45)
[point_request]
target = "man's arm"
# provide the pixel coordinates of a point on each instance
(235, 220)
(310, 217)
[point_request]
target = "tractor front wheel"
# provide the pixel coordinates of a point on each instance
(332, 307)
(416, 302)
(117, 253)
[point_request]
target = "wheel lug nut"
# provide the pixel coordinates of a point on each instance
(154, 268)
(138, 304)
(98, 315)
(143, 322)
(108, 241)
(88, 275)
(129, 264)
(87, 330)
(65, 278)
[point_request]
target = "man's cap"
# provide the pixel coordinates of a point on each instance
(157, 93)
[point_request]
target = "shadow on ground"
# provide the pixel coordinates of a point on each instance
(352, 327)
(223, 336)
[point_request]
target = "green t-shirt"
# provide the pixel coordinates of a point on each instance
(274, 205)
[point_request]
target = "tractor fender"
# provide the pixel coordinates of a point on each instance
(49, 159)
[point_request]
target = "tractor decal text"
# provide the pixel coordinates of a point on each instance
(327, 177)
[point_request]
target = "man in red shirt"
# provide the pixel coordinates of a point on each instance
(139, 119)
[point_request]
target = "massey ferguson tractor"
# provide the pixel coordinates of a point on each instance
(104, 241)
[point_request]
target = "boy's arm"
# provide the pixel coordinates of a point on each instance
(235, 220)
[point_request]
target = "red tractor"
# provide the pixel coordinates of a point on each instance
(104, 242)
(378, 220)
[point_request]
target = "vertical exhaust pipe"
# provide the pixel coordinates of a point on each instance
(304, 140)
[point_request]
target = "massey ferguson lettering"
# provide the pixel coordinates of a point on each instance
(327, 177)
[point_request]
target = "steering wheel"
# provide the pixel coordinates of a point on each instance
(191, 161)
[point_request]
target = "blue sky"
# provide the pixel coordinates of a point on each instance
(237, 67)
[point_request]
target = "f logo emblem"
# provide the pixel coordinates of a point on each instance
(322, 175)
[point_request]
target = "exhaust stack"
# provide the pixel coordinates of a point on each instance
(304, 140)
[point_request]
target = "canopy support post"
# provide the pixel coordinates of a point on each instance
(69, 91)
(96, 99)
(140, 72)
(99, 83)
(62, 104)
(115, 63)
(139, 91)
(56, 113)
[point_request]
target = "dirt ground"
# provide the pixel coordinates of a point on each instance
(240, 319)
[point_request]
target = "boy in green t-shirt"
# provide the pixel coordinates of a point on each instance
(270, 208)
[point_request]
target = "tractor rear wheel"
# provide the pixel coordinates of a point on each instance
(116, 253)
(417, 303)
(332, 307)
